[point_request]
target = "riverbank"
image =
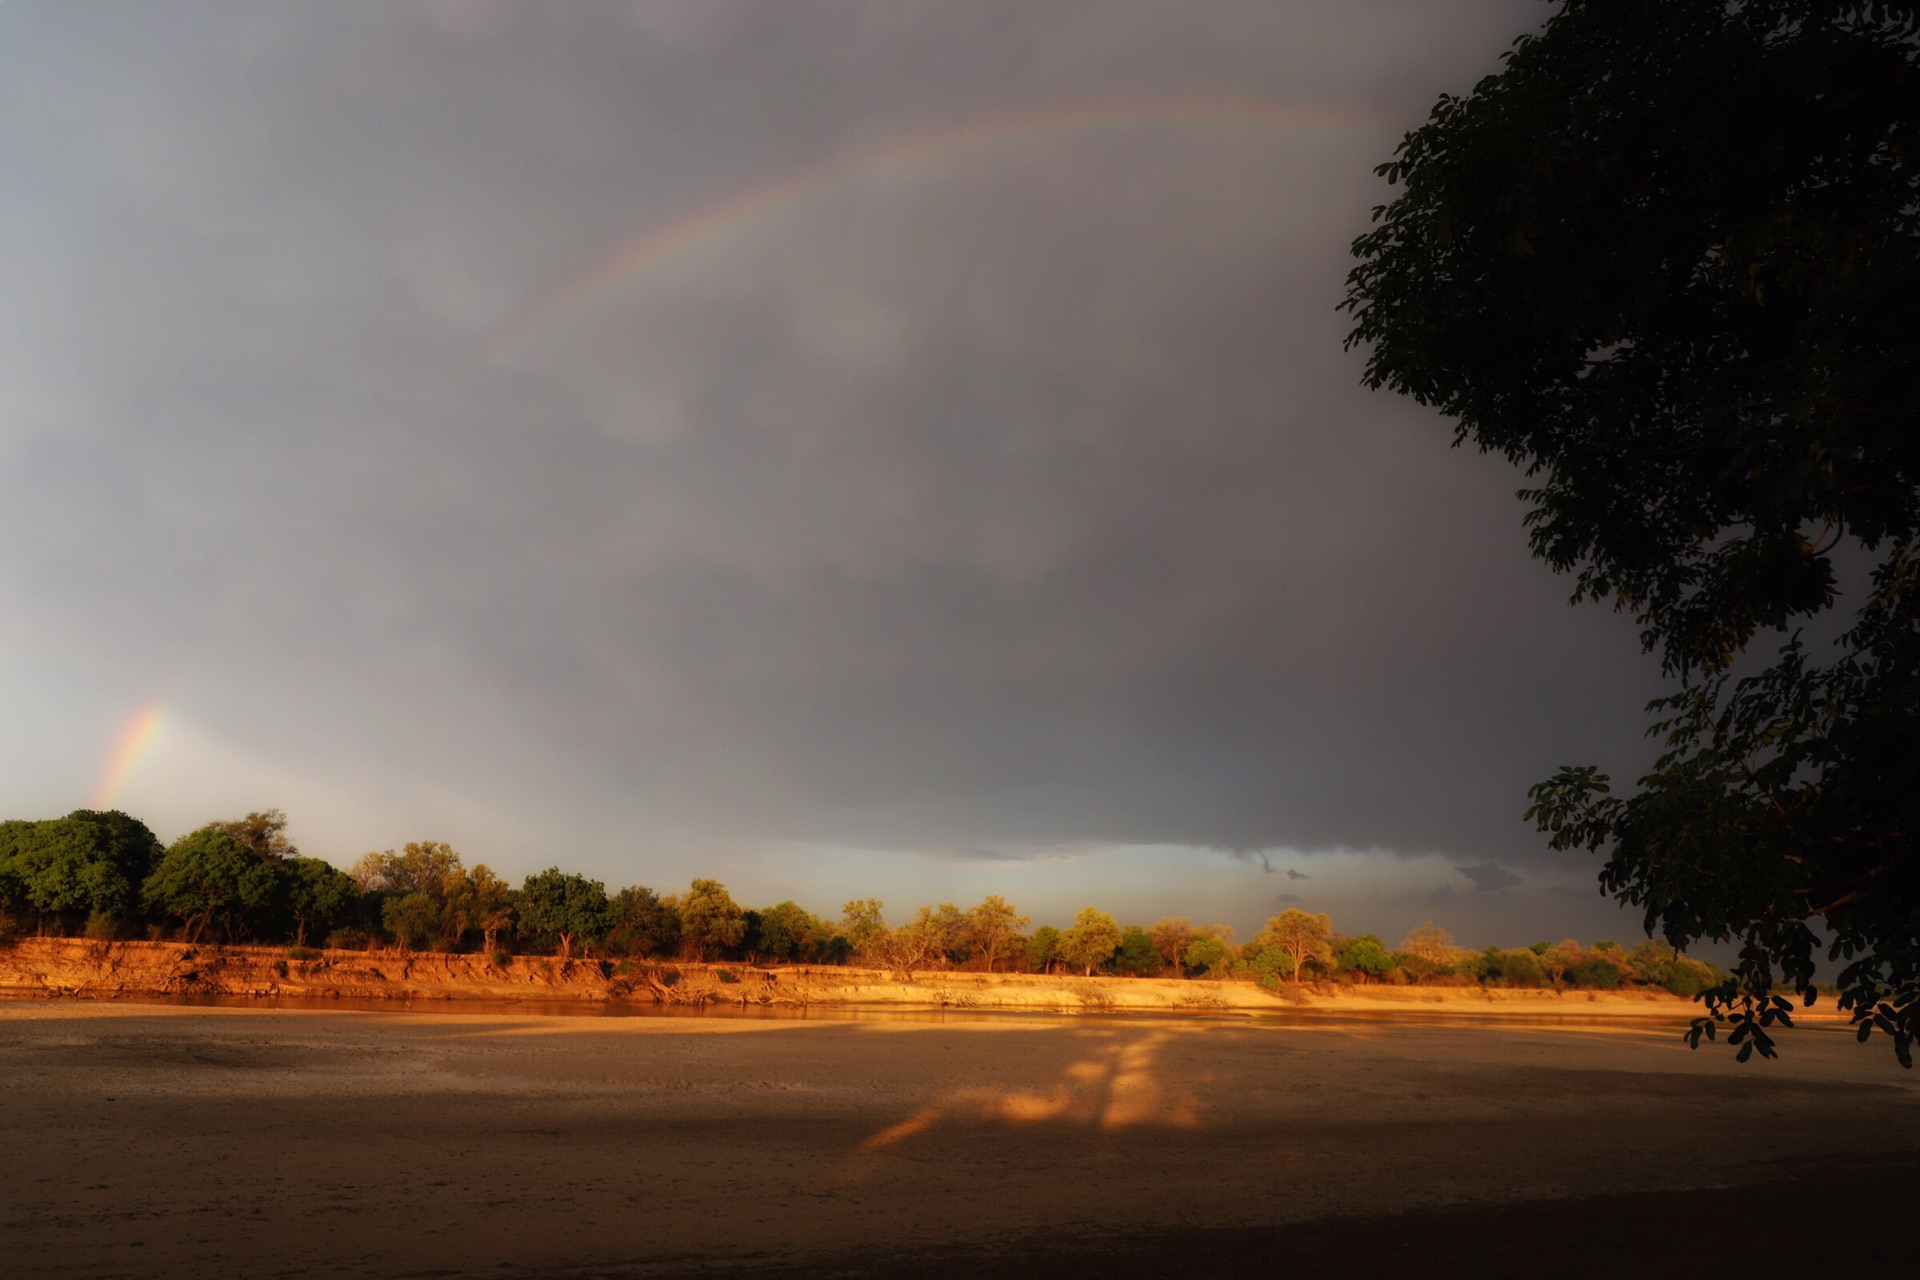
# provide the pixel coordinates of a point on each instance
(77, 968)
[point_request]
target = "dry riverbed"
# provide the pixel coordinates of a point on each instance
(154, 1140)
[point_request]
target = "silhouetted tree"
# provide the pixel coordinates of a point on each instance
(1666, 262)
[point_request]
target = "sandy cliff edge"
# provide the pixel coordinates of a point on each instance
(83, 968)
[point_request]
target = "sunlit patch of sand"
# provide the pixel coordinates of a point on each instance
(1115, 1089)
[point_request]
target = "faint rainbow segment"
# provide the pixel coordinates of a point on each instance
(132, 749)
(662, 242)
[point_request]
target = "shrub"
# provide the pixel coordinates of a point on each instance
(103, 926)
(726, 975)
(1691, 977)
(348, 939)
(1521, 969)
(500, 959)
(1596, 972)
(1269, 965)
(668, 976)
(302, 953)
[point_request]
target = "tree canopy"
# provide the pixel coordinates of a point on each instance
(1666, 262)
(1092, 940)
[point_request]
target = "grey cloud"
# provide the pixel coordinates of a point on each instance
(1017, 498)
(1292, 874)
(1489, 877)
(1286, 897)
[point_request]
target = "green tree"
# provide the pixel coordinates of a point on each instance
(207, 877)
(1665, 261)
(1268, 964)
(423, 866)
(1558, 960)
(1210, 952)
(993, 925)
(1092, 940)
(862, 925)
(1597, 972)
(86, 864)
(414, 920)
(952, 940)
(1517, 968)
(1365, 955)
(477, 901)
(568, 909)
(1043, 949)
(1301, 936)
(316, 896)
(642, 923)
(711, 922)
(1137, 955)
(787, 931)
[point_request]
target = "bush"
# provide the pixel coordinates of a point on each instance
(1691, 977)
(103, 926)
(726, 975)
(500, 959)
(1269, 965)
(1596, 973)
(348, 939)
(1521, 969)
(302, 953)
(667, 976)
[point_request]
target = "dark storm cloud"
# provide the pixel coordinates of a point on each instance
(1489, 877)
(1018, 499)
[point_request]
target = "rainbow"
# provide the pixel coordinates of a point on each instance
(129, 753)
(660, 243)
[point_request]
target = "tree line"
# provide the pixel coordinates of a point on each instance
(104, 875)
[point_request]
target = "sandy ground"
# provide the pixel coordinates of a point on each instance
(156, 1140)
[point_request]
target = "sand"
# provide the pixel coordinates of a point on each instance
(166, 1140)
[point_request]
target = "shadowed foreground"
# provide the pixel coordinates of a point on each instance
(169, 1141)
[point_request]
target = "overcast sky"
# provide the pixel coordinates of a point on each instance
(898, 448)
